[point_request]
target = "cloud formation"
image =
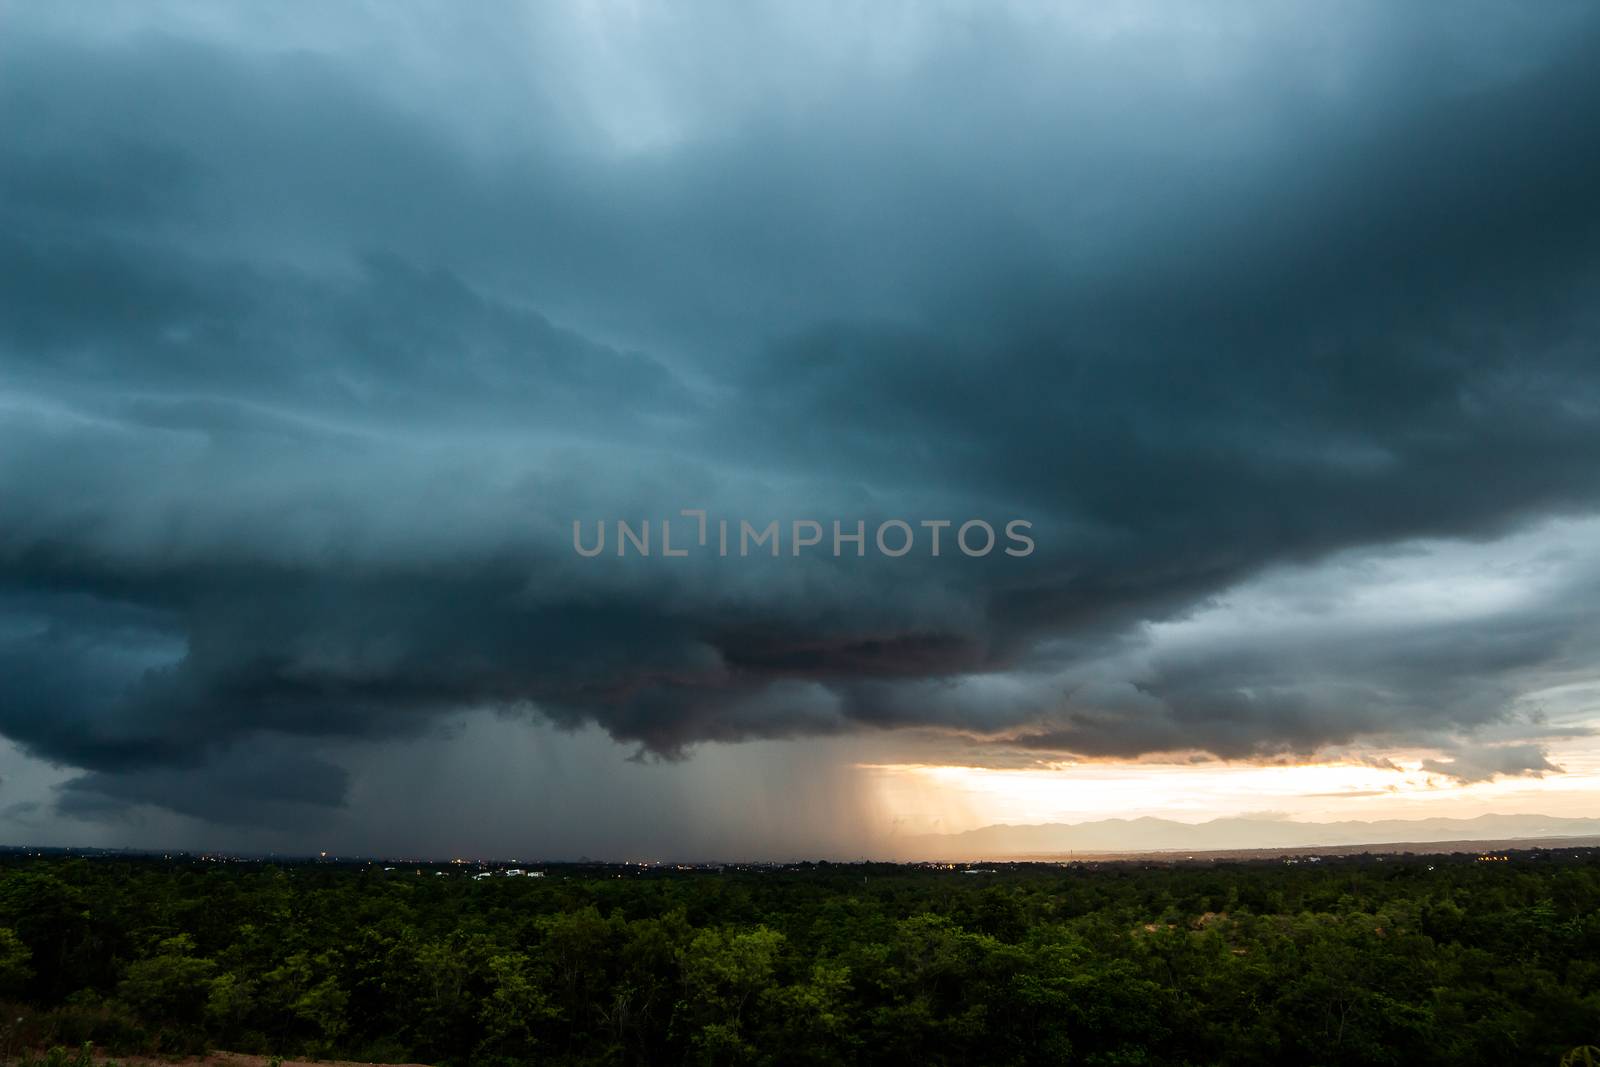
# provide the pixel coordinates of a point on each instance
(316, 334)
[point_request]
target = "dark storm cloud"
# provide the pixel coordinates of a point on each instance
(307, 367)
(1483, 764)
(250, 784)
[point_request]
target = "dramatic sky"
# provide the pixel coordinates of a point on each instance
(320, 325)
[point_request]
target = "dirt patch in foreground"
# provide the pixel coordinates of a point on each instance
(232, 1059)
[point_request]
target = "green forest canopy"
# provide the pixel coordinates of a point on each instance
(1409, 960)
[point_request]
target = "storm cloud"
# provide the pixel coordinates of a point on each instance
(318, 331)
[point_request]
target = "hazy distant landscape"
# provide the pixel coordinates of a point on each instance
(1111, 836)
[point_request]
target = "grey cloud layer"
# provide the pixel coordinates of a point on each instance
(312, 344)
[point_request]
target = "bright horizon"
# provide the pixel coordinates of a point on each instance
(965, 798)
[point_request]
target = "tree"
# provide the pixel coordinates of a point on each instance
(15, 974)
(171, 986)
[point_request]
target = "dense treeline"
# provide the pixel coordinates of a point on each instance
(1341, 962)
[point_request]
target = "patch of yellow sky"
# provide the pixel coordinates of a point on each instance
(928, 798)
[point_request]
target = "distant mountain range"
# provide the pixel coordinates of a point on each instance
(1164, 835)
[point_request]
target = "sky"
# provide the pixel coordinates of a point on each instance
(1264, 339)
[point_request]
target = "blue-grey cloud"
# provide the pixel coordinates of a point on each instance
(311, 352)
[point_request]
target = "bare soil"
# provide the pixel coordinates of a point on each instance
(233, 1059)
